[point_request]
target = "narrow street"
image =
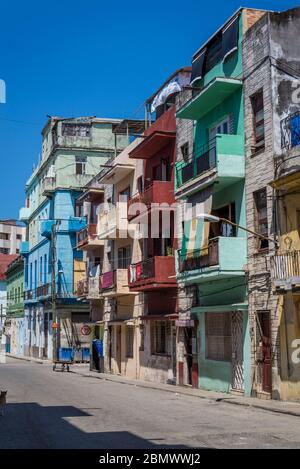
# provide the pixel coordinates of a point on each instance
(49, 409)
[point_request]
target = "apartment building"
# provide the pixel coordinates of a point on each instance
(12, 233)
(109, 248)
(73, 151)
(153, 274)
(271, 91)
(214, 342)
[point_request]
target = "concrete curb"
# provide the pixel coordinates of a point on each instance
(181, 391)
(211, 396)
(40, 361)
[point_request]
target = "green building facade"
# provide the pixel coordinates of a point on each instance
(15, 288)
(210, 179)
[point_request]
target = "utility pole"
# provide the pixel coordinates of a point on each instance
(53, 292)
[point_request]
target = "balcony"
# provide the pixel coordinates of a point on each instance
(24, 213)
(221, 160)
(76, 224)
(112, 220)
(46, 228)
(43, 290)
(160, 134)
(81, 289)
(155, 272)
(115, 283)
(29, 295)
(159, 192)
(72, 181)
(285, 271)
(94, 287)
(288, 162)
(87, 237)
(24, 248)
(211, 96)
(223, 258)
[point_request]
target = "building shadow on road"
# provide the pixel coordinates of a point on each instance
(30, 425)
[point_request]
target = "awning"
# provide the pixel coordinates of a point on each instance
(152, 144)
(159, 317)
(118, 172)
(209, 97)
(220, 308)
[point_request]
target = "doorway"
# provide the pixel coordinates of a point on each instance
(264, 326)
(118, 347)
(237, 362)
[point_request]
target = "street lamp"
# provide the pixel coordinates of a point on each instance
(214, 219)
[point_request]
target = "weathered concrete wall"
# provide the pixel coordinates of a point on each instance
(259, 173)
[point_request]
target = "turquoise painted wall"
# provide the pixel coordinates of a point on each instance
(216, 375)
(232, 106)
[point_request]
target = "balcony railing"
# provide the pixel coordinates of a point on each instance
(290, 131)
(81, 288)
(200, 258)
(86, 234)
(285, 269)
(159, 270)
(43, 290)
(28, 294)
(157, 192)
(202, 160)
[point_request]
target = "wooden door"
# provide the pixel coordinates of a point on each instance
(265, 330)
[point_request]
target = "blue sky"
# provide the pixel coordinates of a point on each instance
(101, 57)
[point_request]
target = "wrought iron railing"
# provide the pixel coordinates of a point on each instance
(285, 265)
(43, 290)
(142, 270)
(81, 287)
(203, 159)
(290, 131)
(199, 258)
(84, 235)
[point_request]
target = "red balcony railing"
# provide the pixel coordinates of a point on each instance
(155, 271)
(158, 192)
(86, 234)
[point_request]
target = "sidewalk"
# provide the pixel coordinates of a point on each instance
(281, 407)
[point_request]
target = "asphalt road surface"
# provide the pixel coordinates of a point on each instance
(49, 409)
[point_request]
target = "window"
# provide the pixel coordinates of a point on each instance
(4, 250)
(258, 122)
(19, 237)
(129, 341)
(261, 217)
(78, 209)
(142, 337)
(218, 336)
(160, 337)
(77, 130)
(80, 162)
(185, 150)
(223, 127)
(140, 184)
(124, 195)
(124, 257)
(45, 269)
(4, 236)
(41, 269)
(30, 276)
